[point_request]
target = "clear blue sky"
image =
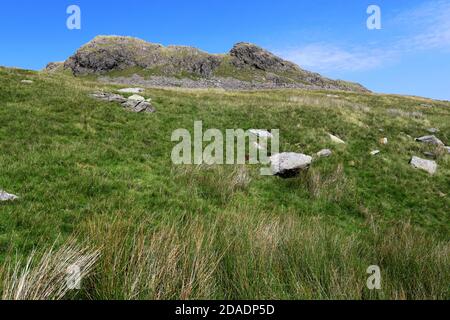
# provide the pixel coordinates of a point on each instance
(409, 55)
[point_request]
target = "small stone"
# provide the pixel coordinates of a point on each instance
(448, 149)
(324, 153)
(430, 155)
(431, 140)
(4, 196)
(384, 141)
(27, 81)
(131, 90)
(433, 130)
(288, 165)
(136, 97)
(261, 133)
(426, 165)
(375, 152)
(336, 139)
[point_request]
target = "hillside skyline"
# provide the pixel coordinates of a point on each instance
(409, 55)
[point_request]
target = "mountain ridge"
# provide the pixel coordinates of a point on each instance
(246, 66)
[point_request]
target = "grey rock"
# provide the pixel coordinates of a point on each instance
(336, 139)
(138, 106)
(426, 165)
(433, 130)
(430, 140)
(27, 81)
(375, 152)
(430, 155)
(4, 196)
(110, 97)
(136, 97)
(289, 164)
(324, 153)
(448, 149)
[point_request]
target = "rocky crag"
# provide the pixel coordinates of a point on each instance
(127, 60)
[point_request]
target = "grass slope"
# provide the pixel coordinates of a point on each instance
(89, 170)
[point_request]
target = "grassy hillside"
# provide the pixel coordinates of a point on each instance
(93, 176)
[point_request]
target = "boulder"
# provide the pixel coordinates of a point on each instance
(324, 153)
(430, 140)
(138, 106)
(4, 196)
(429, 166)
(448, 149)
(289, 164)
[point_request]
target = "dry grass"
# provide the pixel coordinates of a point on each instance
(47, 277)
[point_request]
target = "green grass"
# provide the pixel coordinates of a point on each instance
(90, 170)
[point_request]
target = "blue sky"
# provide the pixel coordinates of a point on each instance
(409, 55)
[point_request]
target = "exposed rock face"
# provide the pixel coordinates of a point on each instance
(252, 66)
(288, 165)
(426, 165)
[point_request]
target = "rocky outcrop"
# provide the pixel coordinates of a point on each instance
(251, 66)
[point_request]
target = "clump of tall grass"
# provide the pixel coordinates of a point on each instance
(47, 276)
(168, 262)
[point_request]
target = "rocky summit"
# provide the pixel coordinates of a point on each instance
(127, 60)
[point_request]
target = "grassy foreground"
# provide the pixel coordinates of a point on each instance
(97, 187)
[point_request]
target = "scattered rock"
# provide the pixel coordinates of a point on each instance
(384, 141)
(135, 103)
(288, 165)
(324, 153)
(4, 196)
(261, 133)
(27, 81)
(375, 152)
(426, 105)
(430, 140)
(131, 90)
(336, 139)
(430, 155)
(448, 149)
(433, 130)
(136, 97)
(426, 165)
(110, 97)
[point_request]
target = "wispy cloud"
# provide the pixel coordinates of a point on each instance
(426, 27)
(325, 57)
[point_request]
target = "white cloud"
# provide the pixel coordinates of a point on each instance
(426, 27)
(324, 57)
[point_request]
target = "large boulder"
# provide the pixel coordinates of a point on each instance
(429, 166)
(289, 164)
